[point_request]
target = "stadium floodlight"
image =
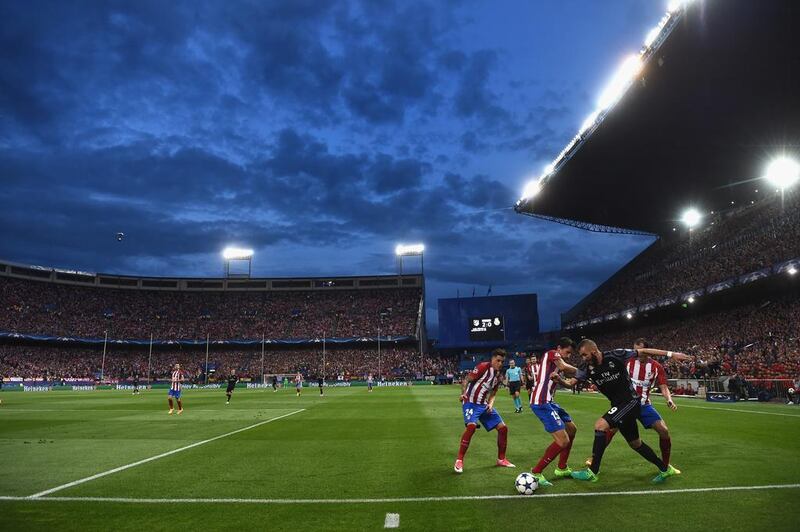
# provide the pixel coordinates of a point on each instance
(792, 270)
(588, 123)
(783, 172)
(407, 250)
(691, 299)
(691, 217)
(623, 77)
(675, 5)
(628, 315)
(549, 168)
(531, 189)
(232, 253)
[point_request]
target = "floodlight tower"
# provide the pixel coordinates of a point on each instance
(783, 173)
(415, 250)
(237, 255)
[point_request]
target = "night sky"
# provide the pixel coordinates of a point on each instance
(319, 133)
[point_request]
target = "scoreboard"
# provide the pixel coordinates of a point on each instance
(487, 322)
(487, 329)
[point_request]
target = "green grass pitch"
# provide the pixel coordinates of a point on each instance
(341, 452)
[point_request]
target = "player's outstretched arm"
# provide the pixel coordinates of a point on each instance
(662, 353)
(563, 366)
(668, 396)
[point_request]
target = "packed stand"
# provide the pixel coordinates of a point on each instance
(55, 363)
(37, 307)
(758, 341)
(728, 245)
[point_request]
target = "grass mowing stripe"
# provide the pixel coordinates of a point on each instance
(401, 499)
(683, 405)
(162, 455)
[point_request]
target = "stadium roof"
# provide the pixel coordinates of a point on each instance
(716, 99)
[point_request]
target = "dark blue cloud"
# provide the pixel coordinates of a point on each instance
(321, 133)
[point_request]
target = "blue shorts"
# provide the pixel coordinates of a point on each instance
(648, 416)
(174, 393)
(552, 416)
(474, 413)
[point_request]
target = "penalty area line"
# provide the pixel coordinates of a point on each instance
(404, 499)
(37, 496)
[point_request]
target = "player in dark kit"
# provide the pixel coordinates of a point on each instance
(232, 380)
(608, 371)
(275, 383)
(321, 383)
(135, 379)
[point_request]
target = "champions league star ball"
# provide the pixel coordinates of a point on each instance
(790, 391)
(526, 484)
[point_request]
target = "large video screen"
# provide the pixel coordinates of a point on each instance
(487, 329)
(517, 314)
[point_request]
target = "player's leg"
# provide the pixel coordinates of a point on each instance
(556, 427)
(598, 447)
(630, 431)
(491, 420)
(563, 469)
(180, 404)
(471, 414)
(171, 409)
(651, 419)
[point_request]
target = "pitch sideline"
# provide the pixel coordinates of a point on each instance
(128, 500)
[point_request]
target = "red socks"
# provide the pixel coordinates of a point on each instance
(549, 455)
(564, 455)
(502, 441)
(609, 436)
(666, 447)
(465, 439)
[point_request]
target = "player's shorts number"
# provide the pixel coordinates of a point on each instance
(468, 414)
(611, 412)
(555, 416)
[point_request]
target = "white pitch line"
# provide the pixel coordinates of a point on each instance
(684, 405)
(401, 499)
(36, 496)
(391, 521)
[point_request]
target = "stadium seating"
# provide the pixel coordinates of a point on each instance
(63, 310)
(729, 244)
(53, 363)
(757, 341)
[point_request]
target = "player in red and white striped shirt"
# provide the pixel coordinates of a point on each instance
(557, 422)
(646, 374)
(477, 398)
(176, 382)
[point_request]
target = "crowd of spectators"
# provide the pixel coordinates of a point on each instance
(38, 307)
(756, 341)
(57, 363)
(726, 245)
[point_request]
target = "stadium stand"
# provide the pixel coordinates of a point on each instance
(729, 245)
(53, 323)
(53, 363)
(759, 341)
(63, 310)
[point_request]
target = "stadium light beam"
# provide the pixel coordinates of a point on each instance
(531, 189)
(691, 217)
(408, 250)
(623, 77)
(232, 253)
(783, 172)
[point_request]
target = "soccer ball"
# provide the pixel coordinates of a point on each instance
(526, 484)
(790, 391)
